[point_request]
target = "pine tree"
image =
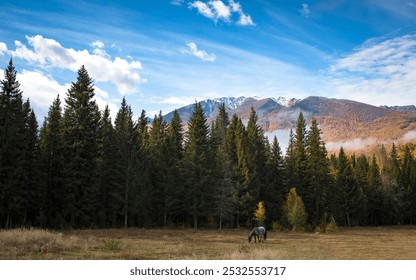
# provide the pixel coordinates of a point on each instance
(12, 150)
(300, 175)
(198, 164)
(242, 194)
(256, 159)
(275, 185)
(125, 161)
(52, 158)
(375, 194)
(223, 168)
(395, 195)
(408, 181)
(108, 173)
(157, 150)
(32, 184)
(290, 162)
(81, 135)
(318, 173)
(360, 169)
(174, 192)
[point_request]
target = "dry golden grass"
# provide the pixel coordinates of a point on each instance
(393, 243)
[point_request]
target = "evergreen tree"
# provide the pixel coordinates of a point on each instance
(108, 173)
(290, 162)
(275, 186)
(318, 173)
(12, 150)
(256, 159)
(395, 194)
(242, 194)
(125, 135)
(198, 164)
(31, 183)
(81, 134)
(174, 192)
(300, 175)
(408, 181)
(223, 168)
(52, 158)
(374, 193)
(361, 168)
(158, 152)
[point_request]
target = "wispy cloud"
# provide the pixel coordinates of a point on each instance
(305, 10)
(193, 49)
(376, 71)
(217, 10)
(48, 53)
(177, 2)
(3, 48)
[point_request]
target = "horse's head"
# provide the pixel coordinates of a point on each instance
(249, 238)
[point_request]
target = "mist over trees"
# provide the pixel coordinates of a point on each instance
(81, 169)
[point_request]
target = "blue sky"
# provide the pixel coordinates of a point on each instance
(162, 55)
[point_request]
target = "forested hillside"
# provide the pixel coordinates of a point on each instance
(81, 169)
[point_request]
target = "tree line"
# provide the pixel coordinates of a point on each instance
(81, 169)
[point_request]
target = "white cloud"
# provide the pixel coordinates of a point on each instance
(203, 9)
(305, 10)
(48, 53)
(216, 10)
(41, 89)
(379, 72)
(97, 44)
(245, 20)
(193, 48)
(222, 11)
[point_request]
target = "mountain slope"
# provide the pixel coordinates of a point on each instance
(340, 120)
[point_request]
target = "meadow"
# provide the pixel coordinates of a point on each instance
(376, 243)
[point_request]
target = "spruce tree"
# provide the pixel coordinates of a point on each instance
(81, 134)
(223, 168)
(275, 184)
(52, 158)
(12, 150)
(158, 153)
(375, 194)
(174, 192)
(31, 169)
(198, 165)
(108, 173)
(125, 161)
(256, 159)
(300, 175)
(318, 174)
(242, 193)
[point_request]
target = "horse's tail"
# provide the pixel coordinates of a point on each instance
(265, 233)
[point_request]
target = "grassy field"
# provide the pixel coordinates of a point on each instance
(392, 243)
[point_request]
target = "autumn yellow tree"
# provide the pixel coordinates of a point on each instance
(295, 211)
(260, 213)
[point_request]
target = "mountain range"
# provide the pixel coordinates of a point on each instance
(353, 125)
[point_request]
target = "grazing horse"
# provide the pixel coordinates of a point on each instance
(259, 233)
